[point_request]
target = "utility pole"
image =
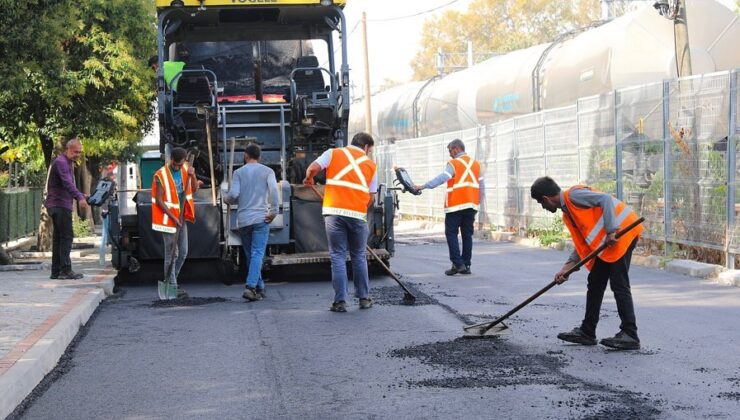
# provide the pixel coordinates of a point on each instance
(681, 31)
(368, 108)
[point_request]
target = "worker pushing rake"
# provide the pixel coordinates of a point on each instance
(604, 231)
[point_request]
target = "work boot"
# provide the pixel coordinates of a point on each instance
(250, 294)
(338, 306)
(54, 276)
(182, 294)
(455, 269)
(366, 303)
(621, 341)
(465, 270)
(261, 291)
(70, 275)
(577, 336)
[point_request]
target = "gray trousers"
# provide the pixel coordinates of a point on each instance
(180, 254)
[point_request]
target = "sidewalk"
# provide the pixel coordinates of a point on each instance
(39, 317)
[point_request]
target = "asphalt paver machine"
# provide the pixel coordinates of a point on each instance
(232, 72)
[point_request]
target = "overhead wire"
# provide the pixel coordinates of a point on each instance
(442, 6)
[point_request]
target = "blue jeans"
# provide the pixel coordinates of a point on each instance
(347, 234)
(254, 241)
(462, 220)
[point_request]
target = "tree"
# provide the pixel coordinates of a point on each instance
(500, 26)
(75, 68)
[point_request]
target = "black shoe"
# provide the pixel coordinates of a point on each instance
(338, 306)
(456, 269)
(182, 294)
(250, 294)
(70, 275)
(577, 336)
(465, 270)
(54, 276)
(261, 291)
(621, 341)
(366, 303)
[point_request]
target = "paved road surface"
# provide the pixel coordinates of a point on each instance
(289, 357)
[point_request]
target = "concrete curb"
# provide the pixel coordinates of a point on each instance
(35, 356)
(23, 376)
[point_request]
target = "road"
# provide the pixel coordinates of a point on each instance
(289, 357)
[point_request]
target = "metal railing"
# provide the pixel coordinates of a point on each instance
(668, 149)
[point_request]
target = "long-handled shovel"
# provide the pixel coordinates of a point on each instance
(408, 297)
(497, 327)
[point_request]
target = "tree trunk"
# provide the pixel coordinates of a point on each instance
(5, 258)
(46, 229)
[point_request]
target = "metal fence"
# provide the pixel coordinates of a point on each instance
(667, 149)
(19, 212)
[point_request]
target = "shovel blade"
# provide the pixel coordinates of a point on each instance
(166, 290)
(479, 331)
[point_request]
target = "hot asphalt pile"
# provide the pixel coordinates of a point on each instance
(494, 363)
(393, 295)
(190, 301)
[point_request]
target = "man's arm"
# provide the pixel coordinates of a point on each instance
(159, 201)
(232, 196)
(373, 189)
(322, 162)
(438, 180)
(68, 183)
(194, 183)
(274, 203)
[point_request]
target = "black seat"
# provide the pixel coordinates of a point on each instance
(308, 81)
(194, 89)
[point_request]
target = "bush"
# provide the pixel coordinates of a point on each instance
(4, 179)
(81, 228)
(550, 233)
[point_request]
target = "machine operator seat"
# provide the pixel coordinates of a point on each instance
(194, 89)
(308, 81)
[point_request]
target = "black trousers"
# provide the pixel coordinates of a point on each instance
(462, 221)
(62, 240)
(617, 275)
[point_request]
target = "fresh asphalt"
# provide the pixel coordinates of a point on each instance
(289, 357)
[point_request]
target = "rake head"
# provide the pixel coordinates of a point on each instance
(479, 331)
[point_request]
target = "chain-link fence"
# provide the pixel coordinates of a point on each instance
(666, 149)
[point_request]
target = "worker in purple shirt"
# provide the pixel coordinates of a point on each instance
(61, 190)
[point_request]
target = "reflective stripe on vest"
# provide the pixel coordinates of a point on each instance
(463, 189)
(348, 176)
(160, 219)
(586, 226)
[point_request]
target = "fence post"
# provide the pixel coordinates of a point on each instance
(731, 167)
(617, 148)
(667, 161)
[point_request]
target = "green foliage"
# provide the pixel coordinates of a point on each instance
(4, 179)
(80, 228)
(75, 68)
(548, 232)
(500, 26)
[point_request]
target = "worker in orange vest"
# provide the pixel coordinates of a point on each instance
(172, 194)
(593, 218)
(351, 184)
(465, 192)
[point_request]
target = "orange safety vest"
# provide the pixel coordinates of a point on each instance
(160, 220)
(348, 178)
(462, 189)
(586, 226)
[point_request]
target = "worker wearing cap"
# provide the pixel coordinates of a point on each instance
(465, 192)
(593, 218)
(351, 184)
